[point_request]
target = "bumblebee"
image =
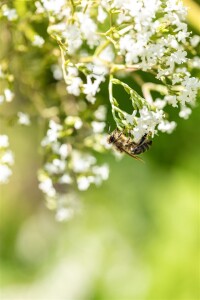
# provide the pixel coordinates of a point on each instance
(124, 144)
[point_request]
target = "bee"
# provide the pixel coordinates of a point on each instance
(123, 144)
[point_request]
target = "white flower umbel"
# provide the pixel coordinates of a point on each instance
(156, 43)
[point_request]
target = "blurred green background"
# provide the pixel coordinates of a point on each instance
(137, 236)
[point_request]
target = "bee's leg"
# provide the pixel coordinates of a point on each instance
(128, 141)
(117, 132)
(119, 135)
(138, 158)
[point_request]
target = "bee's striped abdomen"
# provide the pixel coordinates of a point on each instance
(142, 148)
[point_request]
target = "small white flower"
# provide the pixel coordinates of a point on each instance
(176, 78)
(98, 127)
(102, 15)
(46, 186)
(172, 100)
(195, 40)
(64, 151)
(195, 62)
(57, 166)
(78, 123)
(5, 173)
(74, 87)
(91, 88)
(53, 6)
(72, 71)
(174, 44)
(185, 112)
(166, 126)
(159, 103)
(130, 119)
(9, 95)
(4, 142)
(102, 171)
(52, 133)
(83, 183)
(24, 119)
(74, 121)
(73, 37)
(64, 214)
(66, 178)
(88, 29)
(7, 158)
(54, 126)
(38, 41)
(100, 113)
(57, 72)
(179, 56)
(10, 14)
(82, 162)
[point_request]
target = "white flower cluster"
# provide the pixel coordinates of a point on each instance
(147, 35)
(6, 159)
(9, 13)
(67, 166)
(146, 122)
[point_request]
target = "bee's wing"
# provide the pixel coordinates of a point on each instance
(131, 144)
(133, 155)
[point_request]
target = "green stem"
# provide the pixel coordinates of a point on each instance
(113, 103)
(101, 47)
(110, 89)
(63, 64)
(149, 86)
(73, 6)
